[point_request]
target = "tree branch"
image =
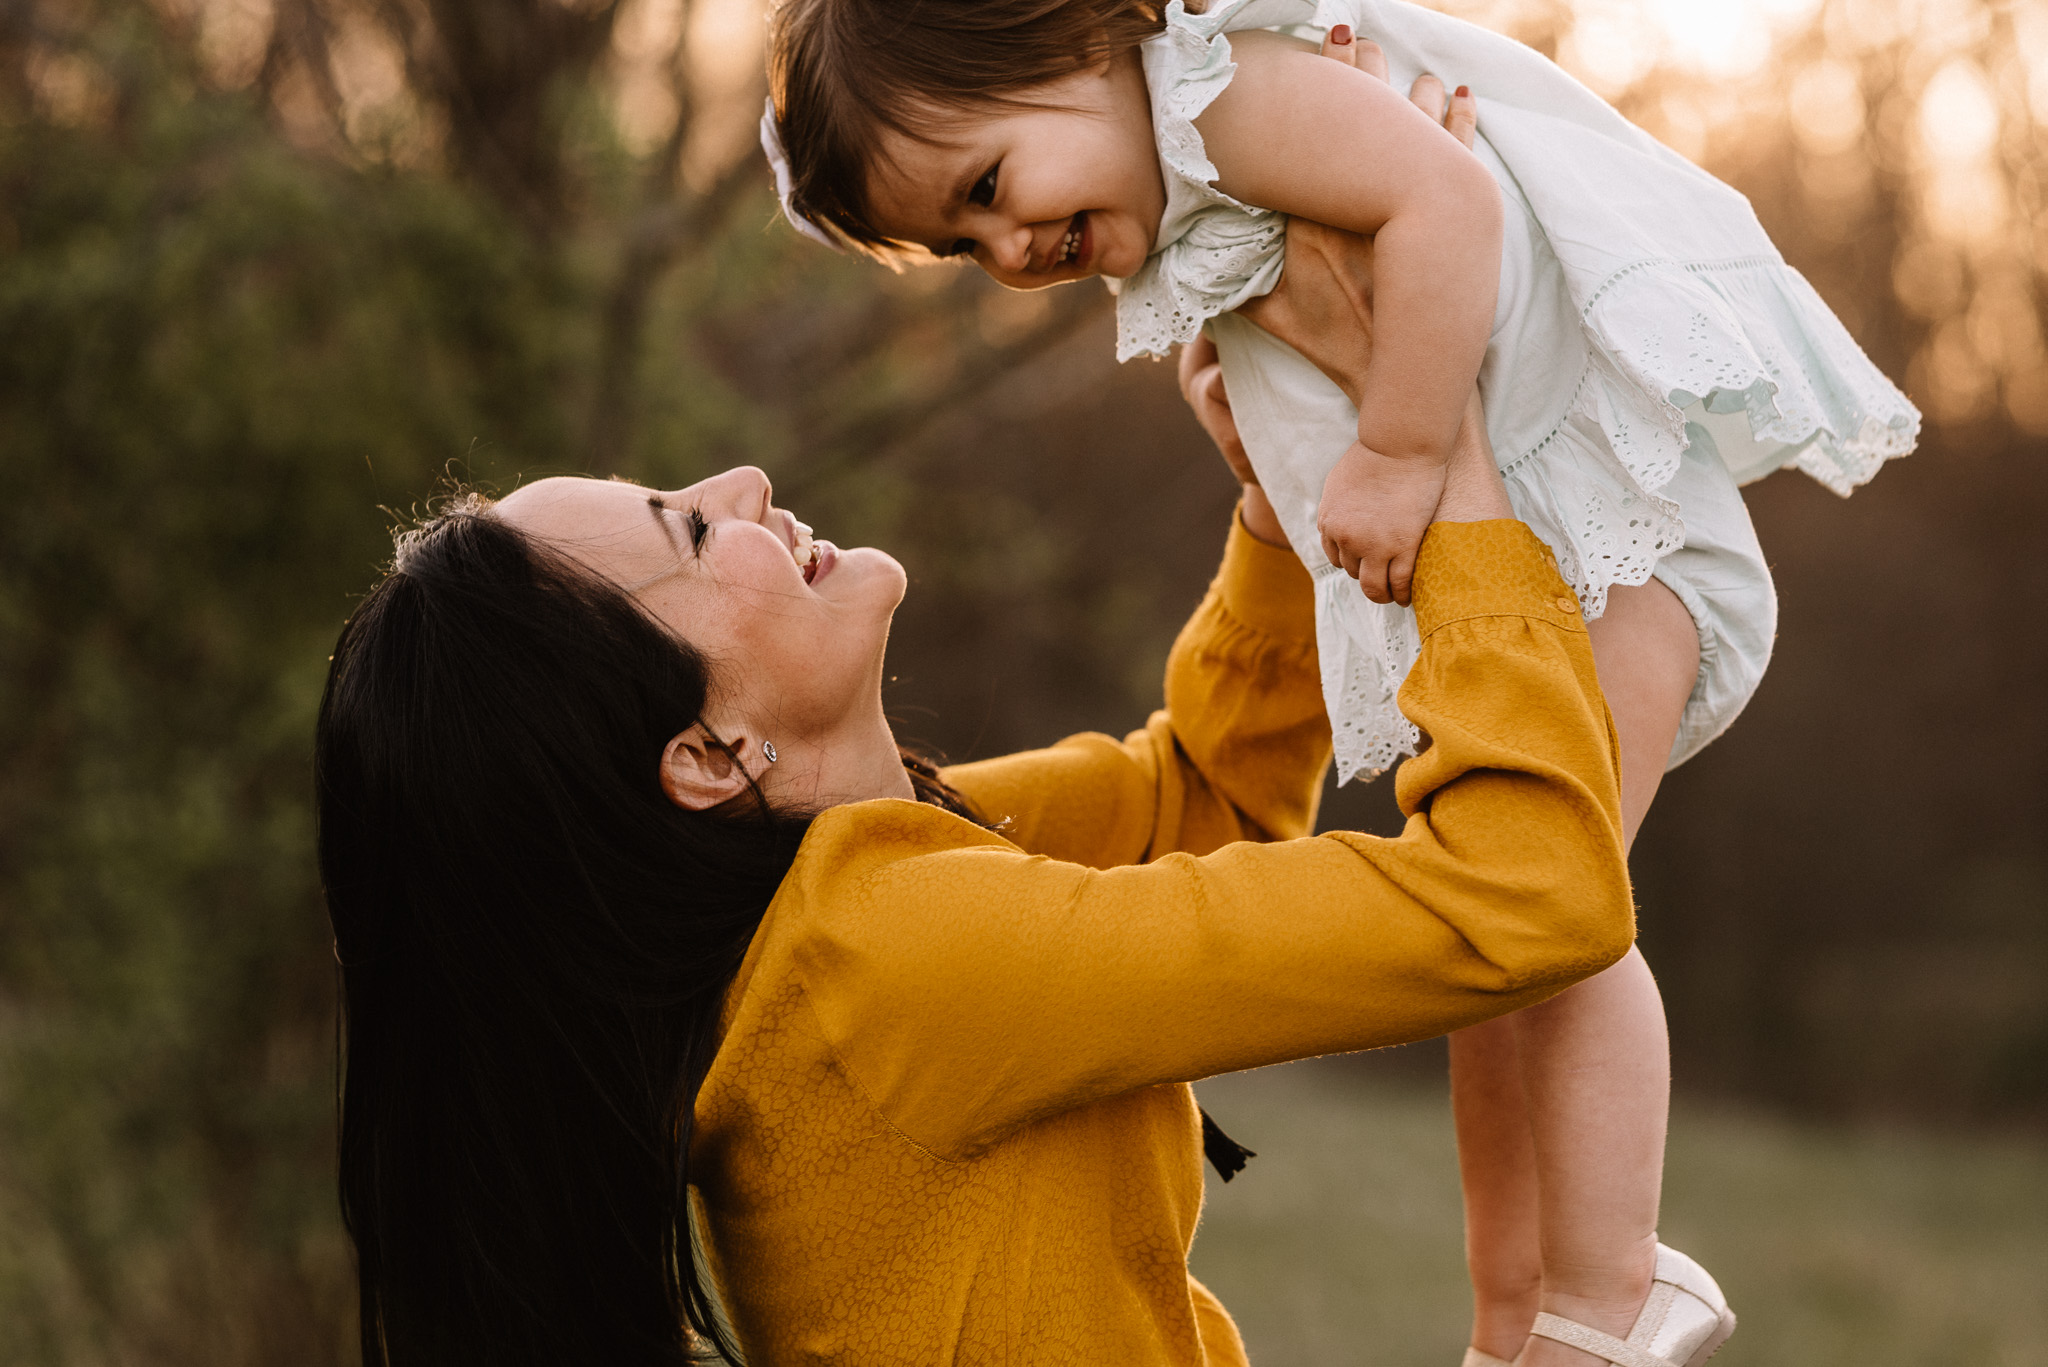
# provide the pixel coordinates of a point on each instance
(667, 224)
(855, 442)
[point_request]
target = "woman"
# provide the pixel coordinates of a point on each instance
(636, 899)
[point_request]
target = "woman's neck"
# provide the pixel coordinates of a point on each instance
(856, 763)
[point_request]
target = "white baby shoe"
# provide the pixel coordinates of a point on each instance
(1685, 1320)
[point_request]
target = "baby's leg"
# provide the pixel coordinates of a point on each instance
(1560, 1109)
(1497, 1167)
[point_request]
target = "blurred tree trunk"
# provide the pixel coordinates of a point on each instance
(14, 39)
(299, 44)
(501, 73)
(670, 221)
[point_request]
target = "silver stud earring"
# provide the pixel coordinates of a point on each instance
(768, 749)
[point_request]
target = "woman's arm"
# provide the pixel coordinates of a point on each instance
(974, 988)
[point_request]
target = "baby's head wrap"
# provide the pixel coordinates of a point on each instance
(771, 143)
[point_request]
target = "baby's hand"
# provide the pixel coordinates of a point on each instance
(1375, 509)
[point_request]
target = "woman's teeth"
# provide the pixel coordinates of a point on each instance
(1070, 245)
(805, 550)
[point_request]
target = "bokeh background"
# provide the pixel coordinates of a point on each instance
(273, 270)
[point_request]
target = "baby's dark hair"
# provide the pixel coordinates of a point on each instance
(844, 73)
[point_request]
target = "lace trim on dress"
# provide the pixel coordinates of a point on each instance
(1227, 257)
(1194, 53)
(1752, 337)
(1218, 252)
(1605, 525)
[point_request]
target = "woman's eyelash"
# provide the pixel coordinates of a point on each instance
(693, 519)
(961, 246)
(984, 191)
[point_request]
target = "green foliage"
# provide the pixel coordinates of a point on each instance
(226, 368)
(216, 359)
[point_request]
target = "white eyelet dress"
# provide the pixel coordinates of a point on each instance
(1651, 350)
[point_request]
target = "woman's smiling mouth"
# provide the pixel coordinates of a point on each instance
(824, 555)
(814, 558)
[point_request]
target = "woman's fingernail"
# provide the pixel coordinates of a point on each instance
(1464, 92)
(1341, 35)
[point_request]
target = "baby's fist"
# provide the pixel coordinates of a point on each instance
(1375, 509)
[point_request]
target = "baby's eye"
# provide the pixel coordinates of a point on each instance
(699, 528)
(984, 191)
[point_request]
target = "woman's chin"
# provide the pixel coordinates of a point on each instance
(865, 574)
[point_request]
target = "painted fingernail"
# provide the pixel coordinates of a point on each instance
(1341, 35)
(1464, 92)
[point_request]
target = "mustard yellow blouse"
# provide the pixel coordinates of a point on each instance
(949, 1121)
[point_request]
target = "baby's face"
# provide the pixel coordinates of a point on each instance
(1036, 196)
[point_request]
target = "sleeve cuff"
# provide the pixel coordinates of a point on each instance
(1489, 569)
(1265, 587)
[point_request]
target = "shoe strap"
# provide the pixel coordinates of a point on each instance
(1593, 1341)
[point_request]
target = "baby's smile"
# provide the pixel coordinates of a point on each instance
(1076, 239)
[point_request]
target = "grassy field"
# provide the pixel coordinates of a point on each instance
(1341, 1242)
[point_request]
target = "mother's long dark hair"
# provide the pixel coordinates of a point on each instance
(534, 945)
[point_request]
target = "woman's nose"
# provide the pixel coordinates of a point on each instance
(743, 491)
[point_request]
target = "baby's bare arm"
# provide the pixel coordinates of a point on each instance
(1374, 505)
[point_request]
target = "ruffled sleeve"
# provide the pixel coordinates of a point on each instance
(1213, 253)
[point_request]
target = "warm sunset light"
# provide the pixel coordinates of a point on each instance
(1726, 37)
(1945, 100)
(412, 950)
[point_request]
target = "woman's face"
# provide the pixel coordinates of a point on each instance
(794, 628)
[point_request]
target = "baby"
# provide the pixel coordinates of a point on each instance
(1640, 347)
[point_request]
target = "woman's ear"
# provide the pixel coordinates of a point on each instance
(698, 773)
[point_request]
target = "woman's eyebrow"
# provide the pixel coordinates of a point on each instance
(660, 510)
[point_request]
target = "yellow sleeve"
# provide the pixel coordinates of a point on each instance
(975, 988)
(1237, 753)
